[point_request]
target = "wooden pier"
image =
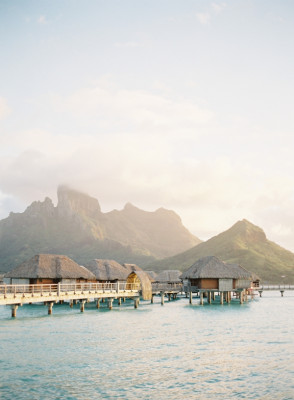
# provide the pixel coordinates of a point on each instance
(50, 294)
(281, 288)
(17, 295)
(170, 290)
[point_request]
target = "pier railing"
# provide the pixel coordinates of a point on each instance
(62, 288)
(167, 287)
(275, 287)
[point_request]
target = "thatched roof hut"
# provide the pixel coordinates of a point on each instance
(212, 267)
(212, 273)
(142, 281)
(169, 276)
(108, 270)
(50, 267)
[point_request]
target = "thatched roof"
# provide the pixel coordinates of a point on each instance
(169, 276)
(132, 267)
(50, 266)
(145, 284)
(212, 268)
(108, 270)
(152, 275)
(244, 273)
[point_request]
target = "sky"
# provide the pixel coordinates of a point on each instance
(181, 104)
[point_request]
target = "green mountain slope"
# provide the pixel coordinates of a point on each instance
(245, 244)
(77, 228)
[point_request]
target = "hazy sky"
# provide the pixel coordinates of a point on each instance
(182, 104)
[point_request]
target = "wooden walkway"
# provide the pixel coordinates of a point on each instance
(17, 295)
(171, 290)
(281, 288)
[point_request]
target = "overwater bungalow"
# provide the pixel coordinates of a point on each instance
(211, 275)
(169, 276)
(48, 269)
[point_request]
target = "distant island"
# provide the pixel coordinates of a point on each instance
(157, 240)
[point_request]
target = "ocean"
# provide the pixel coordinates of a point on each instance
(175, 351)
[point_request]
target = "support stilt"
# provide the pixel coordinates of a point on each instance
(162, 298)
(282, 293)
(152, 299)
(222, 297)
(201, 298)
(136, 302)
(110, 301)
(209, 297)
(14, 307)
(82, 308)
(98, 303)
(119, 301)
(50, 306)
(190, 297)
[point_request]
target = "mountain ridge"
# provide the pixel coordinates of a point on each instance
(245, 244)
(78, 228)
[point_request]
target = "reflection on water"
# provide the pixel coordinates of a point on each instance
(167, 352)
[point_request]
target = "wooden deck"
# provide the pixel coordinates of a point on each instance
(17, 295)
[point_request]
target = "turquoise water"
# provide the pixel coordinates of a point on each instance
(175, 351)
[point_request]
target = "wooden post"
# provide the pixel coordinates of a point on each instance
(229, 297)
(71, 303)
(98, 303)
(168, 296)
(222, 297)
(282, 293)
(174, 296)
(82, 305)
(190, 297)
(152, 299)
(213, 296)
(110, 301)
(50, 306)
(119, 301)
(209, 297)
(241, 297)
(136, 302)
(162, 298)
(201, 298)
(124, 299)
(14, 307)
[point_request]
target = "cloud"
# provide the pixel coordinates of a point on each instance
(203, 18)
(218, 7)
(42, 20)
(4, 109)
(132, 110)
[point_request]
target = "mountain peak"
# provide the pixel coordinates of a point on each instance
(248, 231)
(71, 202)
